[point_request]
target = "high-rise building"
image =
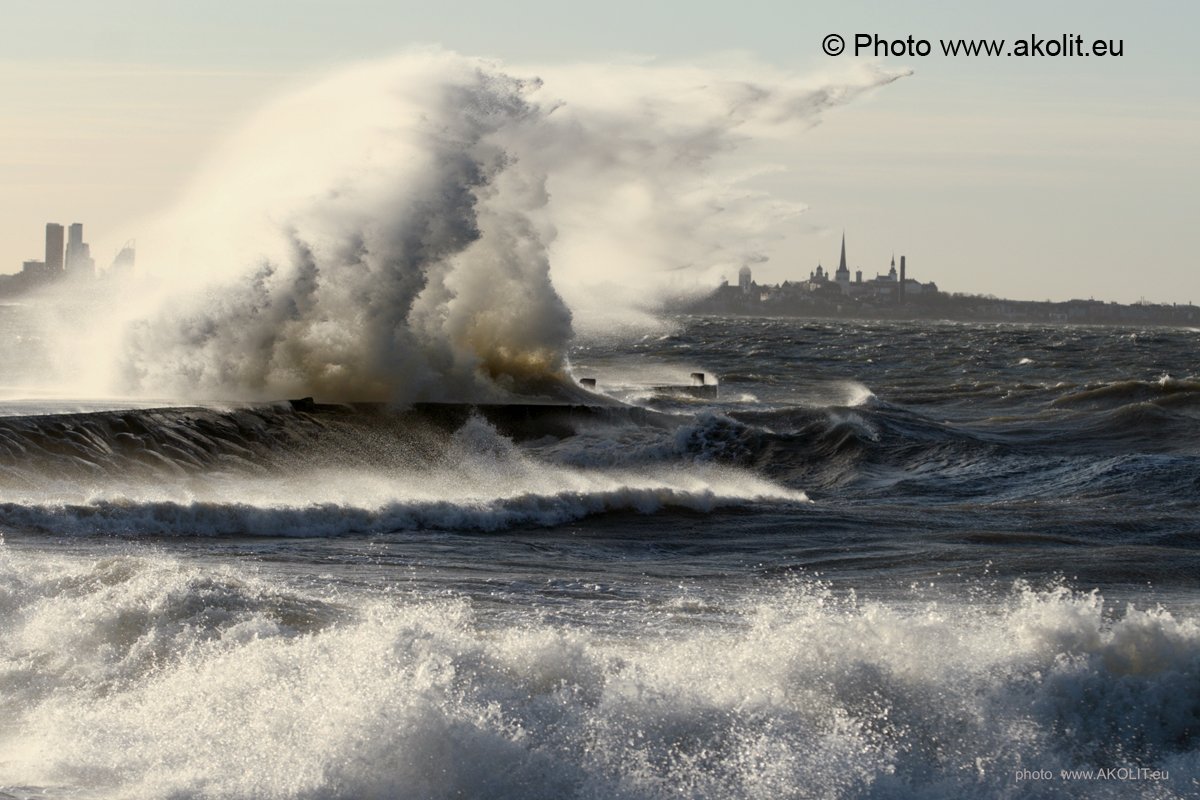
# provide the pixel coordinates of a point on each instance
(80, 263)
(54, 250)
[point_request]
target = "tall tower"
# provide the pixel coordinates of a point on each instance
(54, 250)
(842, 276)
(744, 279)
(80, 263)
(901, 294)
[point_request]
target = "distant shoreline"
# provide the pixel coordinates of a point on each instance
(944, 307)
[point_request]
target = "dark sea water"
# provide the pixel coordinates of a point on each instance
(889, 560)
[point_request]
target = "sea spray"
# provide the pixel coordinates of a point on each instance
(145, 676)
(358, 210)
(435, 227)
(276, 471)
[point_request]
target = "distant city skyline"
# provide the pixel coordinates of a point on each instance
(66, 258)
(1023, 178)
(893, 295)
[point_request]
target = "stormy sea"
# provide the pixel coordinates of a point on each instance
(886, 560)
(387, 476)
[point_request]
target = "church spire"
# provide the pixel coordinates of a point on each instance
(842, 264)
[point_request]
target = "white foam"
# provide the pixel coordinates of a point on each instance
(146, 677)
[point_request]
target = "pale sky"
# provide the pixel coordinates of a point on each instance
(1029, 178)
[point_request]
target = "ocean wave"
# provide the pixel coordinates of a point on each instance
(280, 472)
(1164, 391)
(323, 471)
(477, 512)
(146, 677)
(173, 442)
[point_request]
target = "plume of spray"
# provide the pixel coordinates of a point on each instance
(649, 204)
(388, 233)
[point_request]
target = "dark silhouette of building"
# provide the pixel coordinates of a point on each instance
(744, 281)
(842, 276)
(80, 263)
(33, 272)
(54, 250)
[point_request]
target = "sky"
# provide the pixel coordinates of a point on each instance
(1028, 178)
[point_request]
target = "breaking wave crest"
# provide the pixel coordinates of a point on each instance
(280, 471)
(142, 676)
